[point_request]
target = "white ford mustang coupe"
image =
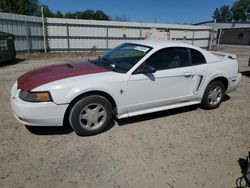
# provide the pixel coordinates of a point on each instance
(134, 78)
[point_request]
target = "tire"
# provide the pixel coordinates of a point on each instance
(90, 115)
(213, 96)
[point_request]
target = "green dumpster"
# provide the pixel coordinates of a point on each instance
(7, 47)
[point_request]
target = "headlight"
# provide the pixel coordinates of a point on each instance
(29, 96)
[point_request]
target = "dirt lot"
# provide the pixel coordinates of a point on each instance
(186, 147)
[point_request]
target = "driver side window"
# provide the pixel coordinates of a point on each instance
(169, 58)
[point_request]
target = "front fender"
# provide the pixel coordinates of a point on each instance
(75, 92)
(69, 95)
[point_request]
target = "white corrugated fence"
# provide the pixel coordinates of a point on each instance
(84, 35)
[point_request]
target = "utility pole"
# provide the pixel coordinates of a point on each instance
(141, 29)
(44, 32)
(212, 35)
(220, 33)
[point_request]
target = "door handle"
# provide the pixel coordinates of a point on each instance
(188, 75)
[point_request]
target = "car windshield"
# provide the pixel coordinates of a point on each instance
(123, 58)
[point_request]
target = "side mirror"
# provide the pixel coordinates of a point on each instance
(144, 69)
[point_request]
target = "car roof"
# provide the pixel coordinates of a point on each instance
(160, 44)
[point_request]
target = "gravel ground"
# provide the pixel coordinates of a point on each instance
(185, 147)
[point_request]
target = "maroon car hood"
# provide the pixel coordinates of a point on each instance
(44, 75)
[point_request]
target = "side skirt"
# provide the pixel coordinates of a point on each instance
(151, 110)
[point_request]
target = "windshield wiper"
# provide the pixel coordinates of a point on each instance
(109, 62)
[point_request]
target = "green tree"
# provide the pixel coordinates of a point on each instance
(32, 7)
(58, 14)
(69, 15)
(26, 7)
(223, 14)
(100, 15)
(241, 10)
(47, 12)
(122, 18)
(217, 15)
(88, 14)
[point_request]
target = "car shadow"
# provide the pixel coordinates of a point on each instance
(49, 130)
(53, 130)
(246, 73)
(10, 63)
(165, 113)
(226, 98)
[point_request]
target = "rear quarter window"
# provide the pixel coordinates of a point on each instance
(197, 57)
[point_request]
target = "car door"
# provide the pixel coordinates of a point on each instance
(173, 82)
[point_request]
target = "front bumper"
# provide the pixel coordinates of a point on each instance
(36, 114)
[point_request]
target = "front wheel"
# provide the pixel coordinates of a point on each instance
(90, 115)
(213, 95)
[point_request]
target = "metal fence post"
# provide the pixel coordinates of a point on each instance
(27, 36)
(68, 44)
(193, 37)
(141, 31)
(107, 38)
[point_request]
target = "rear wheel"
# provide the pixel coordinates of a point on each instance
(213, 95)
(90, 115)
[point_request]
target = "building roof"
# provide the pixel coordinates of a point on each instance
(225, 25)
(5, 34)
